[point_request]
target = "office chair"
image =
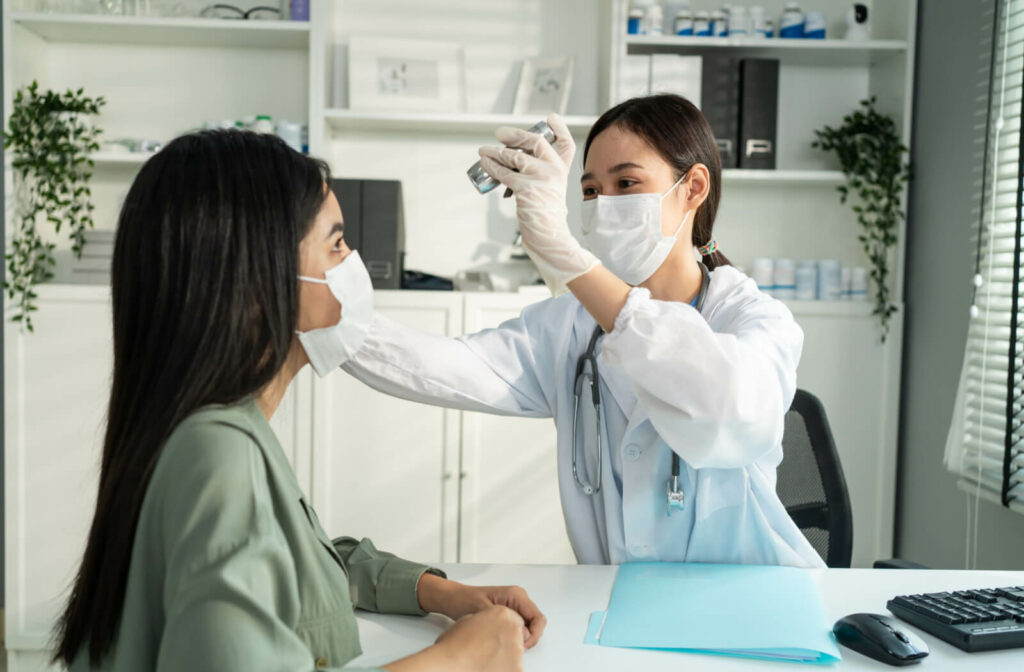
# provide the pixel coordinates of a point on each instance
(810, 481)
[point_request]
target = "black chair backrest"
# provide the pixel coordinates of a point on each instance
(811, 484)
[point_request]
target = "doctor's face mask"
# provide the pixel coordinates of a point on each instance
(641, 147)
(333, 324)
(635, 206)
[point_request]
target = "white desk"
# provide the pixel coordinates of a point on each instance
(568, 594)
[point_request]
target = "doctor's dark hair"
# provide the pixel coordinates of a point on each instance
(678, 131)
(205, 306)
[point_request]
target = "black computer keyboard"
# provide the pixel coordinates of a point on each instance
(973, 620)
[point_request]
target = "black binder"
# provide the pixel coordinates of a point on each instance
(759, 107)
(720, 89)
(374, 225)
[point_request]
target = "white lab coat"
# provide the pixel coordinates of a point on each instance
(713, 386)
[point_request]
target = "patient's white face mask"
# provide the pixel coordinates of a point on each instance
(625, 233)
(330, 347)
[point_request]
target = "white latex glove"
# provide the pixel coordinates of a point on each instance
(537, 173)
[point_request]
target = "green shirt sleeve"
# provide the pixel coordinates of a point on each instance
(378, 580)
(230, 586)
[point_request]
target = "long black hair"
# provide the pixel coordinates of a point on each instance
(205, 304)
(678, 131)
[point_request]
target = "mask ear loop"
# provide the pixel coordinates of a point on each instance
(675, 236)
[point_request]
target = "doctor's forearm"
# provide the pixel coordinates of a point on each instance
(602, 293)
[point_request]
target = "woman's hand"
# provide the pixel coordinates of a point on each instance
(537, 173)
(457, 600)
(486, 641)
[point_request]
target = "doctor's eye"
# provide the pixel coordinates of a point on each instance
(626, 184)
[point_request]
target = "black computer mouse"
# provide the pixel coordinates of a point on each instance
(880, 637)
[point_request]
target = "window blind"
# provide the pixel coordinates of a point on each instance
(985, 447)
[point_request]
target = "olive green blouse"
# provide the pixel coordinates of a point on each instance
(231, 569)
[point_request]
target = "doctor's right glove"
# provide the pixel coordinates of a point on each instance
(537, 173)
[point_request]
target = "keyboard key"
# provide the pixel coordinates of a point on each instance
(982, 597)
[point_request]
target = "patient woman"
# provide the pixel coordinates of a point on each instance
(203, 553)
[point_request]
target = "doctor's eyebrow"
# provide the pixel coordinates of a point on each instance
(617, 168)
(338, 227)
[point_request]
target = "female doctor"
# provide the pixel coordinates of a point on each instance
(668, 379)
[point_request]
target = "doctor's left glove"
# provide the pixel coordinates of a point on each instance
(537, 173)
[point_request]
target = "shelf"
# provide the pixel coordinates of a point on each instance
(826, 53)
(349, 120)
(120, 158)
(824, 177)
(830, 308)
(183, 32)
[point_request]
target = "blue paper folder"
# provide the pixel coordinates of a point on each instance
(772, 613)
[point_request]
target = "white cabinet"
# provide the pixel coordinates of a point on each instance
(56, 388)
(386, 468)
(509, 481)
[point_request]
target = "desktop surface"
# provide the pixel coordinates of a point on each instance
(567, 594)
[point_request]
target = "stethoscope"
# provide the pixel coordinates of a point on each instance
(674, 494)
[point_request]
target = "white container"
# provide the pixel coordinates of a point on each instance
(263, 124)
(757, 22)
(763, 273)
(635, 21)
(830, 280)
(702, 24)
(791, 24)
(858, 284)
(291, 133)
(684, 24)
(739, 22)
(814, 25)
(807, 281)
(655, 19)
(719, 24)
(847, 282)
(784, 277)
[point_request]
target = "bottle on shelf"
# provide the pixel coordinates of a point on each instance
(635, 21)
(791, 24)
(719, 24)
(739, 23)
(757, 26)
(702, 24)
(655, 19)
(814, 25)
(684, 24)
(263, 124)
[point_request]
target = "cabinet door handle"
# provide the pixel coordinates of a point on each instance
(447, 476)
(463, 475)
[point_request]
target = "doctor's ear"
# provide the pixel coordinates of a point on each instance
(698, 185)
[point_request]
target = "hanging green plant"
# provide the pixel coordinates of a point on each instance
(872, 159)
(50, 136)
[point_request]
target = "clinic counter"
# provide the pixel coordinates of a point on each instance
(567, 594)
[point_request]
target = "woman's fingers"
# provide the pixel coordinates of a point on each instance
(517, 599)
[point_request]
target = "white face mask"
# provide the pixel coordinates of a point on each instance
(330, 347)
(624, 232)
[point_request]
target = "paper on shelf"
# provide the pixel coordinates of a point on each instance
(770, 613)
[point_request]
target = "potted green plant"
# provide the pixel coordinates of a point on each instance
(872, 158)
(50, 136)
